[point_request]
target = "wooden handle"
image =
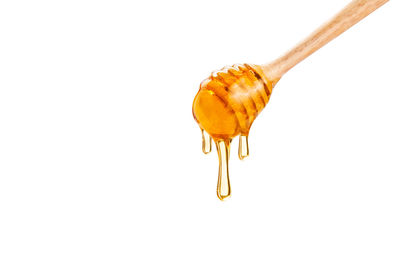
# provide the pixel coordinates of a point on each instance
(350, 15)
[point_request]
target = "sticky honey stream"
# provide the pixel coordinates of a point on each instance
(224, 185)
(206, 142)
(243, 146)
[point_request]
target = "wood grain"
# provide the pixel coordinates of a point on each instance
(347, 17)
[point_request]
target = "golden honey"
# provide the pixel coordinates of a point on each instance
(225, 106)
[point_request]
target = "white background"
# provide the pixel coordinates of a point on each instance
(101, 162)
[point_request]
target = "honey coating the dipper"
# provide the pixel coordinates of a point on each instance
(225, 106)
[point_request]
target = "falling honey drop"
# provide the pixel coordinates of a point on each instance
(223, 186)
(243, 147)
(206, 142)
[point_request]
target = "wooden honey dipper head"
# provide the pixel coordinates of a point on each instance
(230, 99)
(228, 102)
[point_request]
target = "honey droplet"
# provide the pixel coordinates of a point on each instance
(206, 142)
(243, 147)
(223, 186)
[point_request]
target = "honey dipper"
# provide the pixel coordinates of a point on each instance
(230, 99)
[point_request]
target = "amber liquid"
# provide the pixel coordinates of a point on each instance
(226, 106)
